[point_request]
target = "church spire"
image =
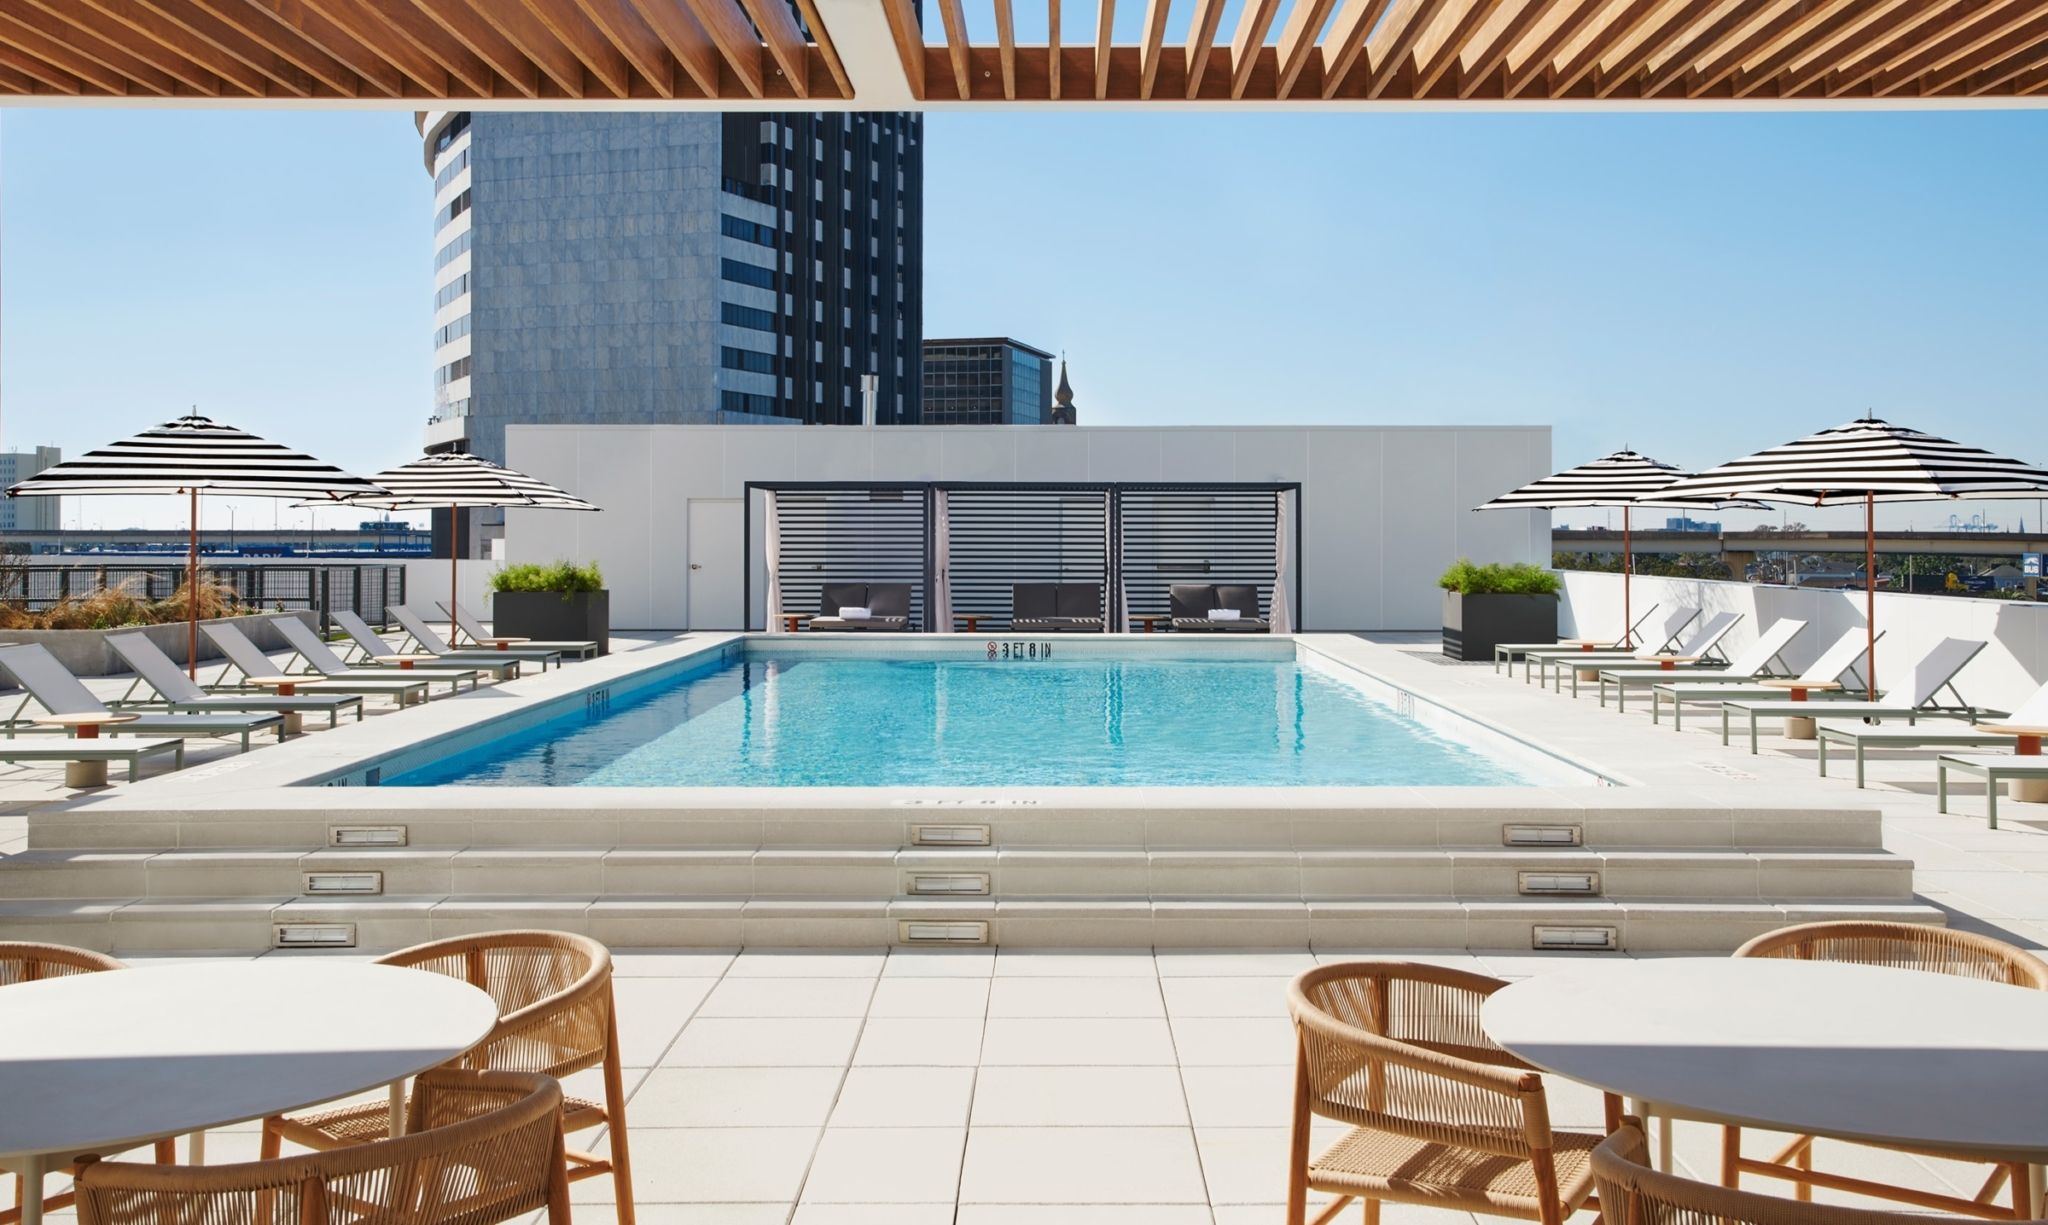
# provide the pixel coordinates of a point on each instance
(1063, 409)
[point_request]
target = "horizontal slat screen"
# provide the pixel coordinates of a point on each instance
(999, 539)
(1207, 537)
(851, 536)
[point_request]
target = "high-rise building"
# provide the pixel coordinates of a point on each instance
(28, 514)
(672, 267)
(990, 380)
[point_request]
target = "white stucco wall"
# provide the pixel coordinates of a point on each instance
(1384, 508)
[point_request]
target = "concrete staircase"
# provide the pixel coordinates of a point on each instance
(1633, 868)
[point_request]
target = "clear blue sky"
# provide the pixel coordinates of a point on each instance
(1694, 286)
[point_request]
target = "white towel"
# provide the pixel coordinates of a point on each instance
(1224, 614)
(856, 614)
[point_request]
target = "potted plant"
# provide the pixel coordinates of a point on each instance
(560, 602)
(1491, 604)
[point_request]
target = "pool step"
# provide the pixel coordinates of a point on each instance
(960, 874)
(381, 923)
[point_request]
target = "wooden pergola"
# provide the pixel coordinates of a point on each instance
(873, 55)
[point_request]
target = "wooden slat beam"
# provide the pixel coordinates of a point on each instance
(1201, 40)
(36, 70)
(1536, 65)
(573, 29)
(1052, 48)
(1305, 22)
(1488, 59)
(357, 35)
(1911, 42)
(1477, 13)
(13, 82)
(1105, 27)
(1768, 39)
(398, 30)
(1252, 24)
(83, 70)
(2014, 70)
(195, 76)
(535, 41)
(635, 40)
(908, 35)
(135, 71)
(1707, 43)
(1006, 48)
(294, 48)
(1840, 24)
(187, 15)
(1390, 45)
(734, 37)
(1154, 41)
(153, 28)
(956, 45)
(826, 47)
(385, 70)
(1964, 49)
(1611, 33)
(785, 42)
(1876, 38)
(507, 53)
(1668, 28)
(686, 40)
(1355, 23)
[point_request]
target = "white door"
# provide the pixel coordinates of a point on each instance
(715, 564)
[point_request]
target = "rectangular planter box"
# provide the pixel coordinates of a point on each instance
(552, 616)
(86, 653)
(1475, 624)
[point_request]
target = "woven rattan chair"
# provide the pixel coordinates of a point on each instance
(480, 1148)
(1902, 946)
(27, 962)
(555, 1017)
(1441, 1115)
(1632, 1193)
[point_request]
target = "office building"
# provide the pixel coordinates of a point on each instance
(990, 380)
(672, 268)
(28, 514)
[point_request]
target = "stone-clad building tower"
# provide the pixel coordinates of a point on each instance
(624, 267)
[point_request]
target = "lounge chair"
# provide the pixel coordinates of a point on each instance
(1511, 651)
(369, 644)
(1056, 607)
(52, 686)
(1192, 603)
(322, 665)
(481, 638)
(1758, 661)
(2005, 768)
(1911, 701)
(423, 636)
(886, 605)
(1702, 643)
(1837, 662)
(1661, 638)
(131, 750)
(1861, 738)
(175, 691)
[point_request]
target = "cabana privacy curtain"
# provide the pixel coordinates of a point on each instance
(1277, 611)
(775, 621)
(942, 565)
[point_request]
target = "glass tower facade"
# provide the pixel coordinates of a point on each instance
(986, 381)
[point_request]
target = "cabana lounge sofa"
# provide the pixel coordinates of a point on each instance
(1057, 607)
(1196, 608)
(863, 607)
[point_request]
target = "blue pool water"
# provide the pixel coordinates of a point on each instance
(859, 722)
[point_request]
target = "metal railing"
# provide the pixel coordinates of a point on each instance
(364, 590)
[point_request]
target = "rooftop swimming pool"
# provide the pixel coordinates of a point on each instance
(800, 720)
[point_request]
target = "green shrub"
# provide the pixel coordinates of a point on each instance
(1493, 578)
(564, 576)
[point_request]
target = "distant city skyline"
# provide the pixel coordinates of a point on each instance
(1693, 286)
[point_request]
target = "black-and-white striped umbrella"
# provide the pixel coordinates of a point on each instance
(1867, 461)
(1621, 479)
(439, 481)
(194, 453)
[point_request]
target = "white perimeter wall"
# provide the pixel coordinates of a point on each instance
(2013, 664)
(1385, 508)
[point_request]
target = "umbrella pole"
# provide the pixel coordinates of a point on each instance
(192, 594)
(1870, 589)
(1628, 562)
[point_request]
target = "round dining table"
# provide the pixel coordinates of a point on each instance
(104, 1062)
(1853, 1052)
